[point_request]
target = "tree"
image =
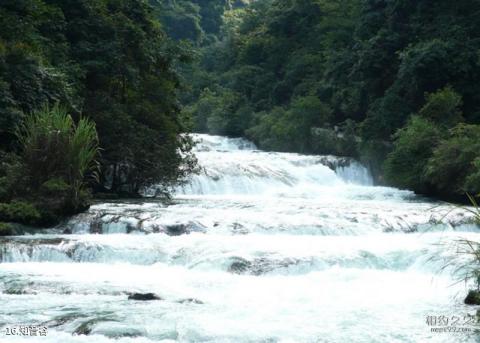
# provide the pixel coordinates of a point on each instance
(105, 60)
(453, 166)
(413, 147)
(443, 107)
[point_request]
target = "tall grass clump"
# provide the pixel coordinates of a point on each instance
(467, 261)
(58, 154)
(476, 208)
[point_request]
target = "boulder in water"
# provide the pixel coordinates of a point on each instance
(176, 230)
(473, 298)
(240, 266)
(183, 229)
(143, 296)
(85, 328)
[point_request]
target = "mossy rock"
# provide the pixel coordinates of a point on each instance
(6, 229)
(473, 298)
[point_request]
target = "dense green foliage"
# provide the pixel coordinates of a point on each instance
(5, 229)
(437, 153)
(414, 144)
(105, 60)
(391, 82)
(199, 21)
(350, 78)
(48, 178)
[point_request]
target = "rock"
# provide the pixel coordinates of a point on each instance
(240, 266)
(85, 328)
(176, 230)
(184, 229)
(13, 291)
(191, 301)
(143, 296)
(63, 319)
(473, 298)
(239, 229)
(96, 227)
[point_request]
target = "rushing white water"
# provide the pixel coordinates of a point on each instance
(259, 247)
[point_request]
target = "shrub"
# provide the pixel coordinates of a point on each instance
(20, 212)
(443, 107)
(4, 188)
(413, 146)
(12, 177)
(5, 229)
(472, 182)
(290, 129)
(451, 168)
(54, 187)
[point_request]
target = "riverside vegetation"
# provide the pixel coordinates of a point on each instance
(95, 96)
(394, 83)
(76, 77)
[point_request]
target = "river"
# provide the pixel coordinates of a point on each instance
(259, 247)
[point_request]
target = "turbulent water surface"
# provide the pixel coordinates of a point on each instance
(259, 247)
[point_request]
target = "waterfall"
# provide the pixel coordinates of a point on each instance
(257, 247)
(235, 166)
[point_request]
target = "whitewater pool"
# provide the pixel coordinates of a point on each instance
(258, 247)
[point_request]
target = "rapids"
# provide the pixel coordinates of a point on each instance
(258, 247)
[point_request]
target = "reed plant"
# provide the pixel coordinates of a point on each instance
(54, 147)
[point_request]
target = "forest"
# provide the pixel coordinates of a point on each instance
(392, 83)
(95, 94)
(88, 101)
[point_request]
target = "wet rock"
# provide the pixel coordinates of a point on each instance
(18, 291)
(96, 227)
(85, 328)
(176, 230)
(88, 326)
(143, 296)
(63, 319)
(239, 229)
(240, 266)
(184, 229)
(261, 265)
(335, 163)
(473, 298)
(191, 301)
(111, 327)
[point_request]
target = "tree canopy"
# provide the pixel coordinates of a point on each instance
(293, 74)
(109, 62)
